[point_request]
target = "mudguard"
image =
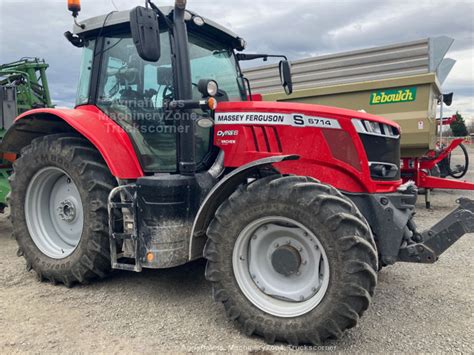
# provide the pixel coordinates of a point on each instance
(220, 193)
(107, 136)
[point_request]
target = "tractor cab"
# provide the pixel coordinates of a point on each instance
(135, 92)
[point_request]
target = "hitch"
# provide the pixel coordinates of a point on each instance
(436, 240)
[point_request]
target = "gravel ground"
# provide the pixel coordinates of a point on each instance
(417, 308)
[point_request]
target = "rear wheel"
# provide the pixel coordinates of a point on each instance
(291, 259)
(60, 189)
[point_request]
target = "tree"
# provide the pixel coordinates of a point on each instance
(459, 126)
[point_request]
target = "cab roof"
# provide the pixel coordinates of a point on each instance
(117, 18)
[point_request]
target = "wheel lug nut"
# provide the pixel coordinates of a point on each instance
(314, 289)
(254, 236)
(300, 249)
(301, 298)
(253, 277)
(277, 245)
(304, 262)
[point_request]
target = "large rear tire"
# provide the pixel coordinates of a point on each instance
(60, 189)
(291, 259)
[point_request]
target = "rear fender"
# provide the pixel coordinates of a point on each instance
(100, 130)
(220, 193)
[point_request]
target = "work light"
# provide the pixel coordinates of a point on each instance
(208, 88)
(198, 21)
(212, 88)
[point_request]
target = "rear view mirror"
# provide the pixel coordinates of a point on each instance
(146, 33)
(285, 76)
(448, 99)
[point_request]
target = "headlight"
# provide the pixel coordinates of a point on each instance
(383, 170)
(373, 127)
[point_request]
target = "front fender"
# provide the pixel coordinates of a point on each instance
(219, 194)
(100, 130)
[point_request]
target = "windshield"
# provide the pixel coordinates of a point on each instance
(214, 60)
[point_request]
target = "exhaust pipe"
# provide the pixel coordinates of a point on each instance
(181, 4)
(186, 136)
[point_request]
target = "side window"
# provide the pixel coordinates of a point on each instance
(82, 96)
(131, 92)
(112, 83)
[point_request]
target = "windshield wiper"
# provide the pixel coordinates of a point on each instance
(244, 56)
(220, 51)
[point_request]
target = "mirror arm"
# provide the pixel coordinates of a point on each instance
(187, 105)
(155, 8)
(75, 40)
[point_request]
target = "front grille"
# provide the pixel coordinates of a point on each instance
(382, 146)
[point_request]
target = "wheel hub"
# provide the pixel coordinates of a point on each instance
(53, 212)
(286, 260)
(280, 266)
(67, 211)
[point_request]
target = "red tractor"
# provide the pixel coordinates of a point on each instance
(166, 159)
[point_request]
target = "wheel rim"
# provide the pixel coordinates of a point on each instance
(54, 213)
(281, 266)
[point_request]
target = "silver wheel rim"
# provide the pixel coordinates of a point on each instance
(274, 293)
(54, 213)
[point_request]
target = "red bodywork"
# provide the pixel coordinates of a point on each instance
(106, 135)
(334, 156)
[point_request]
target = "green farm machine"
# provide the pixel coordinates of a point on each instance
(23, 86)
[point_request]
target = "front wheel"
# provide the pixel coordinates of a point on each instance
(291, 259)
(60, 188)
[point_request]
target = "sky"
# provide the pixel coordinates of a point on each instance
(297, 28)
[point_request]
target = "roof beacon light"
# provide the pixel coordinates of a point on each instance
(74, 6)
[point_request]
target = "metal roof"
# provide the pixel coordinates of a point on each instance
(123, 17)
(378, 63)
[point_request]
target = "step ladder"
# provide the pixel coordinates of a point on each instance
(120, 198)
